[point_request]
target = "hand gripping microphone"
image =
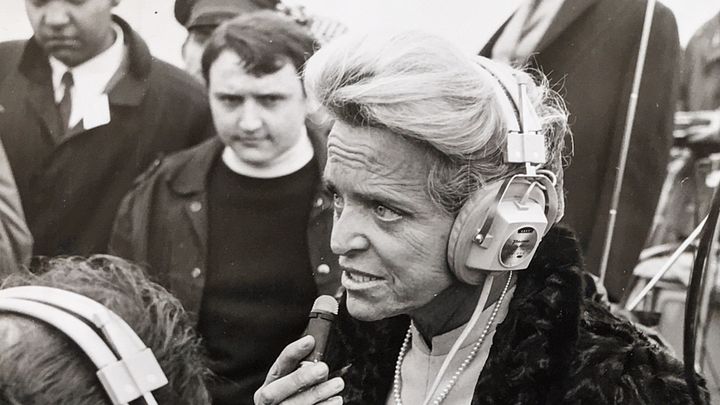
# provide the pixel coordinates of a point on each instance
(321, 316)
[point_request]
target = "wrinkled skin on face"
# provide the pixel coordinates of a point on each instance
(391, 238)
(73, 31)
(259, 118)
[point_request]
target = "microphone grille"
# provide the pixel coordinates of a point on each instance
(325, 303)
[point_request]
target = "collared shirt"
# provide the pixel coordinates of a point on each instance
(422, 364)
(288, 162)
(91, 78)
(525, 29)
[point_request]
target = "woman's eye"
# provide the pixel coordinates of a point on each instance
(386, 214)
(338, 202)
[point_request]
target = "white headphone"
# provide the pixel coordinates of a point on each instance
(501, 231)
(127, 369)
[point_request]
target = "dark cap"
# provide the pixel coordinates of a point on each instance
(211, 13)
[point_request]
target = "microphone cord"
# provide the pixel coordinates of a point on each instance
(694, 296)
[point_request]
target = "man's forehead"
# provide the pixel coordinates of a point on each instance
(229, 71)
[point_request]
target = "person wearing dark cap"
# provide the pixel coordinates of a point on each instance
(201, 17)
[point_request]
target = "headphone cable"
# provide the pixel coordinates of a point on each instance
(694, 295)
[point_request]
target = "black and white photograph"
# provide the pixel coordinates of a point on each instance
(377, 202)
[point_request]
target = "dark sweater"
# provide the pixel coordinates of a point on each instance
(259, 286)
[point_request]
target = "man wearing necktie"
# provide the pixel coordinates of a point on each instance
(87, 109)
(588, 50)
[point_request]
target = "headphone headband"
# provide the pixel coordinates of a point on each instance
(127, 369)
(525, 142)
(503, 233)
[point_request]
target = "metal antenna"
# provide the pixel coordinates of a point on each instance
(629, 121)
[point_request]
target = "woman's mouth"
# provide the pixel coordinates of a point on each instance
(354, 280)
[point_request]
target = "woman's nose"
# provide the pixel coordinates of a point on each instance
(348, 235)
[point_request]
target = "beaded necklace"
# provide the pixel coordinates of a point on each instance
(397, 380)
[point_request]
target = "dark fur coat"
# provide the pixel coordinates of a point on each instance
(554, 347)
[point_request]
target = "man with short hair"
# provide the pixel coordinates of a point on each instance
(238, 227)
(40, 365)
(86, 109)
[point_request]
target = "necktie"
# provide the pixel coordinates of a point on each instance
(65, 106)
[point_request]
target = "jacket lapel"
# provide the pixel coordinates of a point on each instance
(40, 98)
(190, 182)
(568, 13)
(129, 89)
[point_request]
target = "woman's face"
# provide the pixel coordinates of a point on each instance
(391, 238)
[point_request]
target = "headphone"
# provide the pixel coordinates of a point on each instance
(501, 230)
(127, 369)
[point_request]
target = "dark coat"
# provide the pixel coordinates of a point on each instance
(700, 84)
(554, 346)
(588, 54)
(70, 190)
(163, 224)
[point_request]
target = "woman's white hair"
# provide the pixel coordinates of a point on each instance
(422, 87)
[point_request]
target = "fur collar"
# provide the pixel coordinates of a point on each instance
(535, 345)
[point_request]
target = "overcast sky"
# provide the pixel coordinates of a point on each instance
(468, 23)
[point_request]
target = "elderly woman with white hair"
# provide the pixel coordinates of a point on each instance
(446, 171)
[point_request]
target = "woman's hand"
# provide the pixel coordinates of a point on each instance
(308, 385)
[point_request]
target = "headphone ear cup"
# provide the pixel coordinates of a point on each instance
(511, 220)
(471, 217)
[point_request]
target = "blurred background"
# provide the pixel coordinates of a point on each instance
(462, 21)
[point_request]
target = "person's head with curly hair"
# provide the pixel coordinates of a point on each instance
(40, 365)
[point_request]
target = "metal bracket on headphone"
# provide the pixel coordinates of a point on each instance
(526, 145)
(483, 237)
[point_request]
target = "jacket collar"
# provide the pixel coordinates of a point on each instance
(566, 15)
(713, 53)
(192, 177)
(129, 90)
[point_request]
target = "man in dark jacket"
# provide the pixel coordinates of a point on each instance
(86, 109)
(588, 50)
(238, 226)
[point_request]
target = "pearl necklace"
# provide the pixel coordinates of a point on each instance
(397, 380)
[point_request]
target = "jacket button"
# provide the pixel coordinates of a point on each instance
(323, 269)
(195, 206)
(195, 273)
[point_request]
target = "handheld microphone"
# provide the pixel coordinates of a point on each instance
(321, 316)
